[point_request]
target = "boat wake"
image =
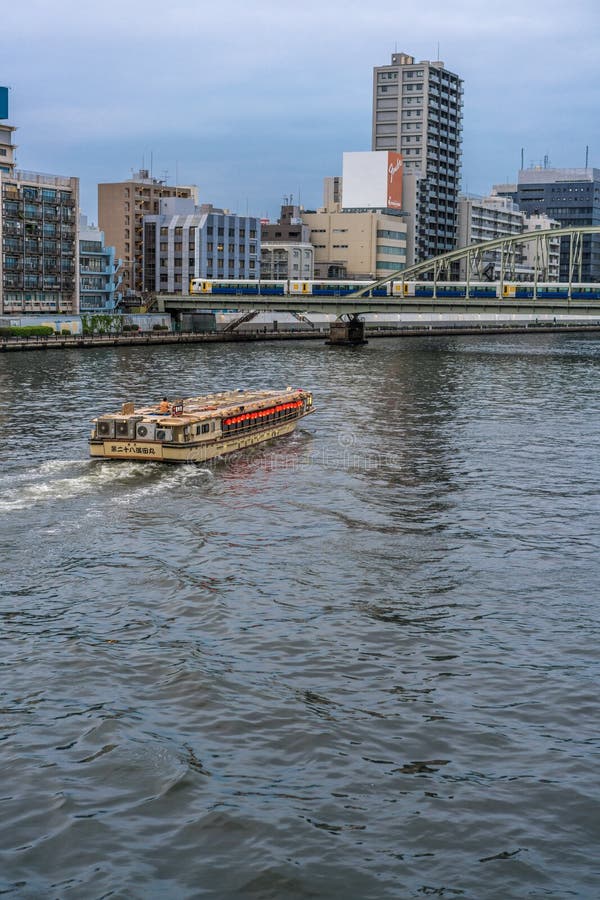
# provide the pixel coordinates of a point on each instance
(57, 480)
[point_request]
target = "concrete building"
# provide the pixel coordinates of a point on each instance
(356, 245)
(417, 111)
(545, 259)
(488, 218)
(7, 149)
(121, 210)
(289, 226)
(286, 251)
(98, 279)
(39, 265)
(287, 259)
(569, 196)
(185, 241)
(39, 262)
(332, 191)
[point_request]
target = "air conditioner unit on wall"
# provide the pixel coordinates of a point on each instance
(106, 428)
(146, 431)
(122, 428)
(125, 428)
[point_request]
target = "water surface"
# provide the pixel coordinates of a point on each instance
(358, 662)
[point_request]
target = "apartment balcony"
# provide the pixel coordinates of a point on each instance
(86, 270)
(12, 281)
(12, 226)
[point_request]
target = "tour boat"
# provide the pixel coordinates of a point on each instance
(199, 428)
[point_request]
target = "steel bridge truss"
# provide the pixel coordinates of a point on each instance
(506, 251)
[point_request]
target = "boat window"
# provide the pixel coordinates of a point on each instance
(205, 428)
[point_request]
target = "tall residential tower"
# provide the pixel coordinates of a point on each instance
(417, 111)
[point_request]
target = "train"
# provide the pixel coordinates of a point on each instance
(289, 287)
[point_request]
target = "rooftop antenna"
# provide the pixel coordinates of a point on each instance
(151, 162)
(587, 155)
(545, 160)
(438, 52)
(522, 158)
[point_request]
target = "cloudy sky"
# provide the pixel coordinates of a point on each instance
(253, 101)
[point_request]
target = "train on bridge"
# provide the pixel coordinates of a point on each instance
(289, 288)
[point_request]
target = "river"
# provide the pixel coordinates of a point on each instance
(361, 661)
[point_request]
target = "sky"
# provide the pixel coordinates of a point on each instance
(257, 101)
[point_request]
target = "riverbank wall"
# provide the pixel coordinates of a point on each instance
(141, 339)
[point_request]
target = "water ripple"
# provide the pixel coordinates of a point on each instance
(359, 662)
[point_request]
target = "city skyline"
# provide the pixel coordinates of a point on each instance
(252, 104)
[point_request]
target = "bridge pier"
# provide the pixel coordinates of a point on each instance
(348, 332)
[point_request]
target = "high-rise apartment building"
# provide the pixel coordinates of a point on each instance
(572, 198)
(121, 210)
(39, 263)
(417, 111)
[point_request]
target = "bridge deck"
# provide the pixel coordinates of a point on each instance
(347, 305)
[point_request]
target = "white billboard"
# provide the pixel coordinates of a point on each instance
(372, 180)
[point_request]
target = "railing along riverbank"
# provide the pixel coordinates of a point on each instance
(141, 339)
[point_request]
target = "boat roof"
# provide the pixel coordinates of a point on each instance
(209, 406)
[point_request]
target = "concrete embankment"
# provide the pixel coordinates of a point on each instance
(85, 342)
